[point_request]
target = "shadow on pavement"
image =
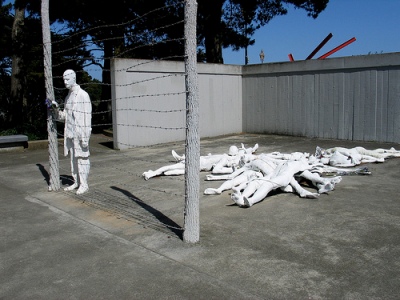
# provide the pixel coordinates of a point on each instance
(170, 224)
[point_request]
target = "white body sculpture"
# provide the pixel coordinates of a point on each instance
(217, 163)
(343, 157)
(245, 176)
(77, 116)
(252, 177)
(281, 177)
(324, 185)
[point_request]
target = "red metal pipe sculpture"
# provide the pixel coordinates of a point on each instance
(337, 48)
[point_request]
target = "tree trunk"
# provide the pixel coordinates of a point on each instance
(212, 12)
(105, 105)
(16, 112)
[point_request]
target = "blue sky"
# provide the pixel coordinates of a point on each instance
(374, 23)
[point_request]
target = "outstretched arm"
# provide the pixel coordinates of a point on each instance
(53, 106)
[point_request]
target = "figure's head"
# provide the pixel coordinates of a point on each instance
(233, 150)
(69, 78)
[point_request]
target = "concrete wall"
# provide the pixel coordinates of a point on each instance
(350, 98)
(149, 101)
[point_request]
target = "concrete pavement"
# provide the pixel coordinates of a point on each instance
(122, 240)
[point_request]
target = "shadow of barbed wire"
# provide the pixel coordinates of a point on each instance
(162, 218)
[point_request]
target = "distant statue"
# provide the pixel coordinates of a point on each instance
(262, 56)
(77, 116)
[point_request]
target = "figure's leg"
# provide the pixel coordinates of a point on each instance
(237, 172)
(324, 185)
(149, 174)
(227, 185)
(303, 193)
(178, 157)
(371, 159)
(223, 170)
(212, 191)
(83, 169)
(175, 172)
(223, 187)
(254, 149)
(250, 150)
(238, 189)
(284, 174)
(287, 189)
(260, 194)
(248, 188)
(74, 171)
(238, 199)
(222, 167)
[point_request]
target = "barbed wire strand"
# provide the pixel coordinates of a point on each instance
(100, 197)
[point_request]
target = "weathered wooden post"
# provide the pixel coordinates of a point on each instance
(54, 184)
(191, 232)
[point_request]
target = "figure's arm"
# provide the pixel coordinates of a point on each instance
(223, 167)
(82, 112)
(329, 170)
(53, 106)
(210, 177)
(87, 120)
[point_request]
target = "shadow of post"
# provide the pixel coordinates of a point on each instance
(170, 224)
(65, 179)
(44, 172)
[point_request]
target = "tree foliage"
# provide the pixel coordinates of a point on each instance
(5, 60)
(91, 32)
(232, 23)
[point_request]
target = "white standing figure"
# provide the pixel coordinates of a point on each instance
(77, 116)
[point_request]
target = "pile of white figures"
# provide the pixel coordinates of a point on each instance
(251, 177)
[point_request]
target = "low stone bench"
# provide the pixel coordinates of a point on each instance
(12, 141)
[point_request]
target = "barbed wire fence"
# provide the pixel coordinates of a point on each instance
(106, 114)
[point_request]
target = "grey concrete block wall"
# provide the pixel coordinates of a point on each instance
(149, 101)
(349, 98)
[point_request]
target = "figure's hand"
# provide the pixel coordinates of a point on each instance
(51, 104)
(47, 102)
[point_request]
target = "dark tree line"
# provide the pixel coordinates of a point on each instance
(91, 32)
